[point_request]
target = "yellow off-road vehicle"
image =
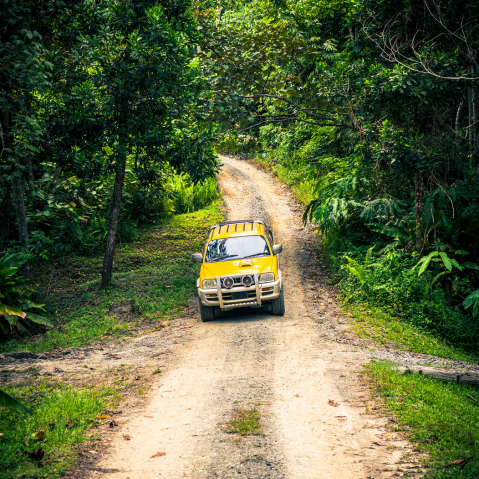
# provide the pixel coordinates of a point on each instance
(240, 267)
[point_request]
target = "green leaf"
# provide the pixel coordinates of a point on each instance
(446, 261)
(472, 300)
(6, 309)
(8, 401)
(425, 262)
(39, 319)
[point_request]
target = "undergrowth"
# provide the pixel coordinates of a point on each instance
(153, 277)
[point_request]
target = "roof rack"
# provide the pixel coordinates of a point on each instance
(238, 222)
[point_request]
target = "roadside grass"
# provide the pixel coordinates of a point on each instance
(244, 422)
(380, 327)
(442, 419)
(153, 276)
(70, 415)
(62, 415)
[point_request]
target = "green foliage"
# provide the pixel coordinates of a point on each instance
(9, 402)
(154, 275)
(388, 280)
(62, 414)
(442, 419)
(15, 308)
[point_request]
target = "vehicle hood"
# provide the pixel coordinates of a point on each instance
(242, 266)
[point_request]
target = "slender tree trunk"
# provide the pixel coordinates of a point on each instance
(458, 115)
(56, 177)
(113, 225)
(5, 216)
(471, 93)
(21, 217)
(419, 203)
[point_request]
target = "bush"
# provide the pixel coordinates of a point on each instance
(387, 280)
(187, 196)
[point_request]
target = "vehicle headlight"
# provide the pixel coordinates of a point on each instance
(266, 277)
(209, 283)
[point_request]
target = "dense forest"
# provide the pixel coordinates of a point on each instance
(369, 109)
(112, 116)
(109, 110)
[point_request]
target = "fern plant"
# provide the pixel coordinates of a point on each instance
(15, 306)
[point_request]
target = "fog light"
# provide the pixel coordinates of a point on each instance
(228, 282)
(247, 280)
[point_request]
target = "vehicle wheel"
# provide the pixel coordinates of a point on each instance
(277, 305)
(207, 313)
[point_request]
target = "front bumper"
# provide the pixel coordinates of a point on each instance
(257, 294)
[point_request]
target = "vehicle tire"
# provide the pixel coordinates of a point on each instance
(277, 305)
(207, 313)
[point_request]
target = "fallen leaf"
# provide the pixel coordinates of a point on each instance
(158, 454)
(69, 424)
(155, 355)
(93, 452)
(126, 437)
(164, 324)
(460, 462)
(101, 417)
(333, 403)
(113, 423)
(432, 438)
(137, 378)
(117, 412)
(39, 435)
(115, 357)
(149, 417)
(378, 444)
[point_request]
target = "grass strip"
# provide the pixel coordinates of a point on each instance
(382, 328)
(244, 422)
(442, 419)
(153, 278)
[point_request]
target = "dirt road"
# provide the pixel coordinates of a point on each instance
(306, 388)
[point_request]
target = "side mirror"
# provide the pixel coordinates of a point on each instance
(277, 248)
(197, 258)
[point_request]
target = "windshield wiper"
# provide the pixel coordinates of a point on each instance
(256, 254)
(223, 257)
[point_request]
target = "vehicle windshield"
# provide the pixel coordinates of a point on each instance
(235, 248)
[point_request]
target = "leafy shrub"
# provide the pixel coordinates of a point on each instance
(91, 239)
(187, 196)
(388, 280)
(15, 307)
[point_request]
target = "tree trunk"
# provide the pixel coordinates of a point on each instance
(456, 376)
(458, 115)
(5, 216)
(21, 217)
(419, 203)
(56, 177)
(471, 131)
(113, 225)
